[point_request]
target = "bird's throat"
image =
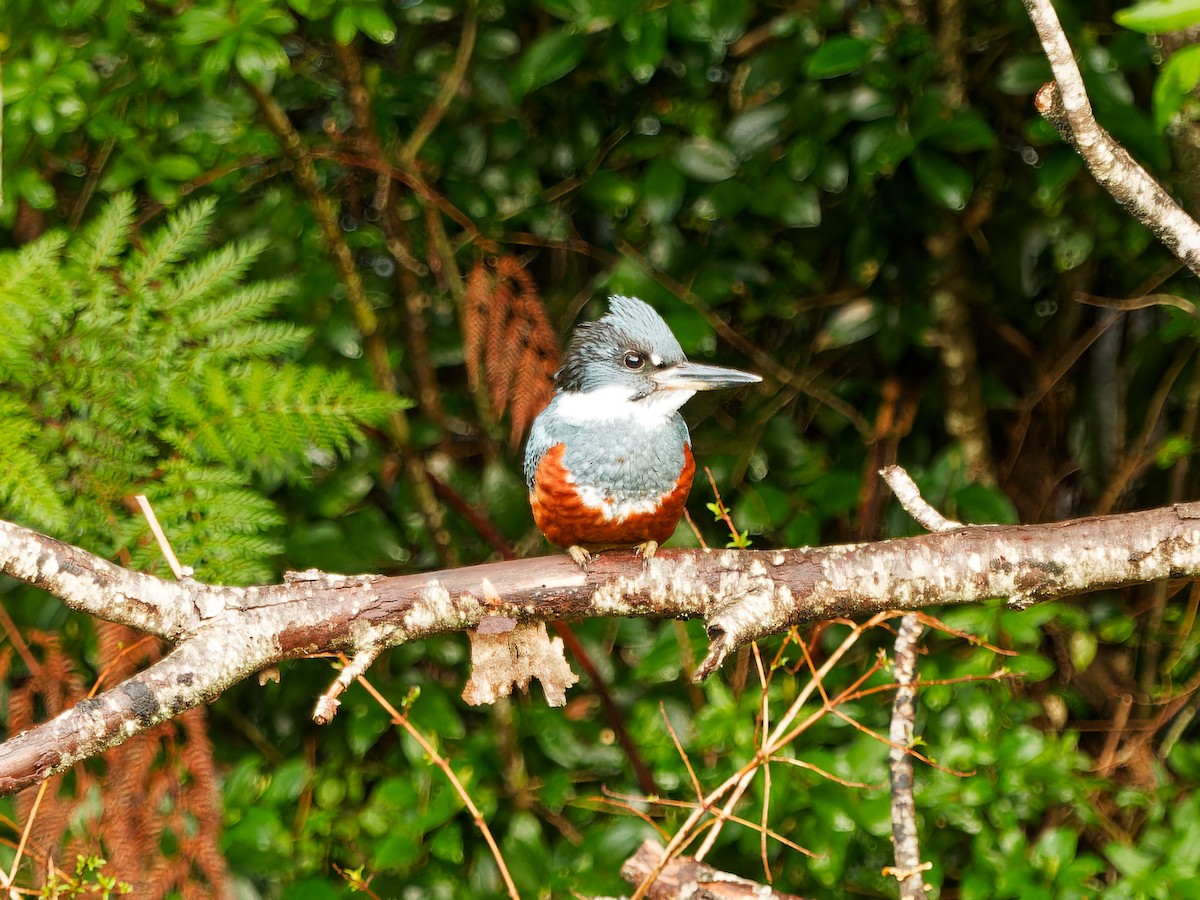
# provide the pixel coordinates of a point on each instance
(617, 404)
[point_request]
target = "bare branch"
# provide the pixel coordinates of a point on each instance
(225, 634)
(1064, 103)
(909, 868)
(907, 847)
(685, 877)
(914, 504)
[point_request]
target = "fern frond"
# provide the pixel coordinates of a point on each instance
(510, 344)
(475, 320)
(104, 457)
(215, 272)
(26, 491)
(184, 232)
(102, 242)
(215, 521)
(24, 274)
(272, 414)
(262, 340)
(34, 294)
(236, 307)
(142, 369)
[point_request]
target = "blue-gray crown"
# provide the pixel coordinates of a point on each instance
(600, 352)
(631, 347)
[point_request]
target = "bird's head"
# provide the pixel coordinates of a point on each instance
(628, 363)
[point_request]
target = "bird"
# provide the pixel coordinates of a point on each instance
(609, 460)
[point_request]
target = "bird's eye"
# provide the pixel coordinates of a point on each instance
(634, 360)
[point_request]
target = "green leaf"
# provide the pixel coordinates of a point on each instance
(215, 63)
(275, 21)
(850, 323)
(1023, 74)
(176, 167)
(199, 25)
(26, 491)
(966, 132)
(32, 187)
(945, 181)
(801, 207)
(662, 191)
(287, 781)
(402, 847)
(1176, 82)
(1158, 16)
(756, 128)
(881, 146)
(345, 25)
(259, 60)
(646, 43)
(837, 56)
(1030, 666)
(550, 57)
(1130, 861)
(106, 237)
(375, 23)
(184, 232)
(706, 160)
(1082, 646)
(1055, 850)
(312, 9)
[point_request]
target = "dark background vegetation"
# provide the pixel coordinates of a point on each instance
(862, 192)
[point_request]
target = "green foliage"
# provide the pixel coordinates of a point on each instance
(89, 880)
(1159, 16)
(152, 369)
(811, 176)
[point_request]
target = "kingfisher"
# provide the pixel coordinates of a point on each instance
(609, 461)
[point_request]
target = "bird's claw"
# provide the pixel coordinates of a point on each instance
(581, 557)
(646, 551)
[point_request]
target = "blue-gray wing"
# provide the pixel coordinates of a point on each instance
(540, 440)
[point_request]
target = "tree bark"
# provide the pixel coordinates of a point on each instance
(223, 634)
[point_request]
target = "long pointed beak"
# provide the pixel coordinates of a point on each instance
(690, 376)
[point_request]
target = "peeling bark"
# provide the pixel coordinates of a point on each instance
(225, 634)
(687, 878)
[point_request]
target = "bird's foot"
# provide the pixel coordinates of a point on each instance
(646, 551)
(581, 557)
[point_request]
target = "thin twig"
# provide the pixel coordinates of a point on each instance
(779, 738)
(450, 86)
(436, 758)
(18, 641)
(1141, 454)
(662, 709)
(765, 683)
(687, 804)
(914, 504)
(37, 801)
(907, 849)
(1064, 103)
(328, 702)
(909, 868)
(721, 509)
(180, 572)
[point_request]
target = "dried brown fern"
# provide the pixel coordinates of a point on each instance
(158, 782)
(157, 786)
(511, 347)
(49, 687)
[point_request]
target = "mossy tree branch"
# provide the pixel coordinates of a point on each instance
(224, 634)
